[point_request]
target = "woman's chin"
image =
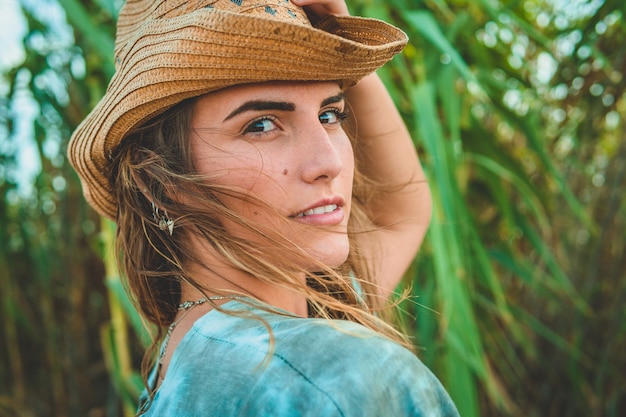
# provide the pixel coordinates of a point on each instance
(331, 256)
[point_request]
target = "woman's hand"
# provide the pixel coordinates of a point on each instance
(321, 8)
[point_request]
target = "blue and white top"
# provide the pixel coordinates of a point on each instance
(225, 366)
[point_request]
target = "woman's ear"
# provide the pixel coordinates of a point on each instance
(141, 186)
(159, 214)
(150, 186)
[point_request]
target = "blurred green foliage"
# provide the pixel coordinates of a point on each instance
(517, 109)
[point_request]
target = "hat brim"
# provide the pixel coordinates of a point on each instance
(208, 50)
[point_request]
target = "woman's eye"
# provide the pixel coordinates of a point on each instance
(260, 126)
(332, 116)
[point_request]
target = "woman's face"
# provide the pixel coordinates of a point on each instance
(281, 143)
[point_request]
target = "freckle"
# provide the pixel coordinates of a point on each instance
(285, 171)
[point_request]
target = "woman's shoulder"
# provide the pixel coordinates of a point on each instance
(245, 328)
(302, 367)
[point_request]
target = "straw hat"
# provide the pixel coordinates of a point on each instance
(170, 50)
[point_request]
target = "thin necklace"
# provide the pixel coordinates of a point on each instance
(187, 306)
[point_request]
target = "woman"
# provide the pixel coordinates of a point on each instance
(266, 207)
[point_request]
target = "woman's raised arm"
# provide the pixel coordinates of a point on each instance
(403, 209)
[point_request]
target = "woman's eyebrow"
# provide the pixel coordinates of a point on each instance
(261, 105)
(334, 99)
(255, 105)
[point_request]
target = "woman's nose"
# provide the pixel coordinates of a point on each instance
(323, 153)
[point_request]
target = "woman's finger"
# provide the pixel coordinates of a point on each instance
(323, 8)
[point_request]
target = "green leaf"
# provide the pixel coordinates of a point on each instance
(101, 43)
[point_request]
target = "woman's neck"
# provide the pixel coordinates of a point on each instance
(220, 276)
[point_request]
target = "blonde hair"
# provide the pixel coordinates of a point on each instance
(154, 160)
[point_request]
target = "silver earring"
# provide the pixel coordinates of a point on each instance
(164, 221)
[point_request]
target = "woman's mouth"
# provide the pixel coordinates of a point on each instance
(321, 215)
(317, 210)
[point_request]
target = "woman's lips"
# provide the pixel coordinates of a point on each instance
(321, 215)
(317, 210)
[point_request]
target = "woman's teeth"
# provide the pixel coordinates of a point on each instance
(318, 210)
